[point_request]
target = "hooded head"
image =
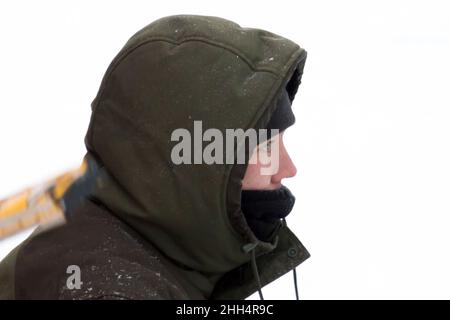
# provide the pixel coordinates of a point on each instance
(175, 71)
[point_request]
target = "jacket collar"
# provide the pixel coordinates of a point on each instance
(240, 283)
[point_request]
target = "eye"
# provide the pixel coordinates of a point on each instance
(267, 146)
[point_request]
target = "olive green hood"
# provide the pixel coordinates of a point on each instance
(176, 70)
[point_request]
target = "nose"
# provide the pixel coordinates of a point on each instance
(290, 168)
(286, 167)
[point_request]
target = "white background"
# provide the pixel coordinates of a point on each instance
(371, 142)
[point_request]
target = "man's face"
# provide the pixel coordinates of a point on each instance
(254, 179)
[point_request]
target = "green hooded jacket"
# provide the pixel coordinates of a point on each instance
(151, 229)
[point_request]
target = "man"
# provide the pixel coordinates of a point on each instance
(153, 229)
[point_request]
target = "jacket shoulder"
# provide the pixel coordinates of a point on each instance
(95, 256)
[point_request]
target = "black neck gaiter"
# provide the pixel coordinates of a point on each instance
(264, 209)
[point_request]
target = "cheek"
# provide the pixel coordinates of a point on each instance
(253, 178)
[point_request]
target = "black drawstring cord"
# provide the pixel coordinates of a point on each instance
(250, 247)
(256, 274)
(295, 284)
